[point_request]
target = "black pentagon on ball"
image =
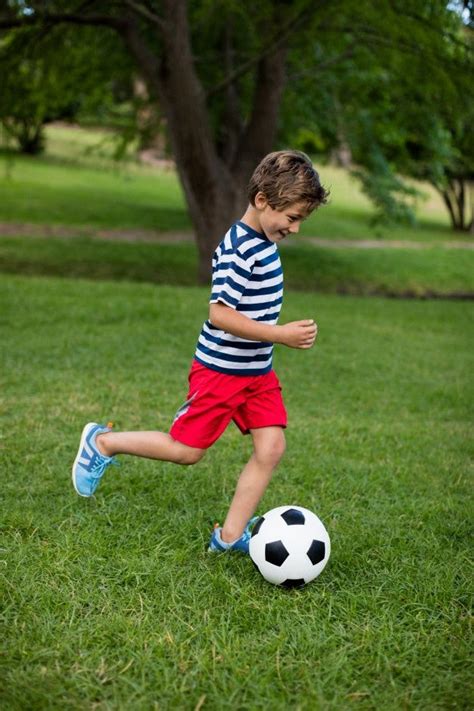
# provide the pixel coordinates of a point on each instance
(316, 552)
(257, 526)
(293, 583)
(276, 553)
(293, 517)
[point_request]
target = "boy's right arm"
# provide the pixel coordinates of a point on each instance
(296, 334)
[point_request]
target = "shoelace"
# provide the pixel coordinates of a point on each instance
(101, 465)
(247, 534)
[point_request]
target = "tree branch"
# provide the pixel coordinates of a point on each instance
(231, 125)
(147, 62)
(58, 18)
(146, 13)
(259, 136)
(278, 41)
(322, 66)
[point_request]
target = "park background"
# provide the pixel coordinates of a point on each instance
(128, 131)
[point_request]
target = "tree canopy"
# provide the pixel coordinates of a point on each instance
(234, 80)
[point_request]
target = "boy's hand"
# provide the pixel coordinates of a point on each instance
(298, 334)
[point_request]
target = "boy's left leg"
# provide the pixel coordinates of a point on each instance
(99, 445)
(269, 447)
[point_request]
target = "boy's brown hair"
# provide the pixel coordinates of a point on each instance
(285, 178)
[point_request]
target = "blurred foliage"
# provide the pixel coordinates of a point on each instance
(391, 84)
(61, 74)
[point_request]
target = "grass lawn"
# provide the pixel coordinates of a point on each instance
(75, 184)
(49, 191)
(113, 603)
(416, 272)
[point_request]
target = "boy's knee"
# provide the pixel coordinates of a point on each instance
(272, 449)
(279, 447)
(190, 455)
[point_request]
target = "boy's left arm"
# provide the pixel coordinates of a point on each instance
(296, 334)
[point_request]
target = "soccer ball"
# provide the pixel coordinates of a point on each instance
(289, 546)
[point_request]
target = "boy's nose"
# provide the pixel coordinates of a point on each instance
(294, 228)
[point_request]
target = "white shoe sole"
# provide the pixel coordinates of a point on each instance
(85, 432)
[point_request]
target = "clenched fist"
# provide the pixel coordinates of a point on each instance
(298, 334)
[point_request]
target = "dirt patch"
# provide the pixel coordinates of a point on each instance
(383, 244)
(24, 229)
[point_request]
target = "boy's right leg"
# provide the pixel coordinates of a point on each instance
(269, 447)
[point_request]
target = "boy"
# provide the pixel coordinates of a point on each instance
(231, 376)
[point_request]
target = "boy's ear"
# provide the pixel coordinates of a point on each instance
(260, 201)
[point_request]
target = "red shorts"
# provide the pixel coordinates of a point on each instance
(214, 399)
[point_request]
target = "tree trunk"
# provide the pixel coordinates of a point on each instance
(207, 183)
(460, 212)
(213, 217)
(259, 137)
(213, 176)
(28, 133)
(214, 189)
(211, 226)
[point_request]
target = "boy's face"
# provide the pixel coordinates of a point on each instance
(278, 224)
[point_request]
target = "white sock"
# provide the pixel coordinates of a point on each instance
(224, 543)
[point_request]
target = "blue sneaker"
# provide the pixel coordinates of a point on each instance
(217, 545)
(90, 465)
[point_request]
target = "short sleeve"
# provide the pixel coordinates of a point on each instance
(230, 276)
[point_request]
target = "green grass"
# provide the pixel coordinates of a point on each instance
(88, 146)
(77, 184)
(43, 191)
(426, 272)
(112, 603)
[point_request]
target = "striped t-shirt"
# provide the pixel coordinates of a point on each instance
(247, 276)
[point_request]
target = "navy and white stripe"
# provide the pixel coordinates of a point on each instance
(247, 276)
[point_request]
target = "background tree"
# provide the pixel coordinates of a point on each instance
(33, 91)
(218, 71)
(60, 74)
(395, 108)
